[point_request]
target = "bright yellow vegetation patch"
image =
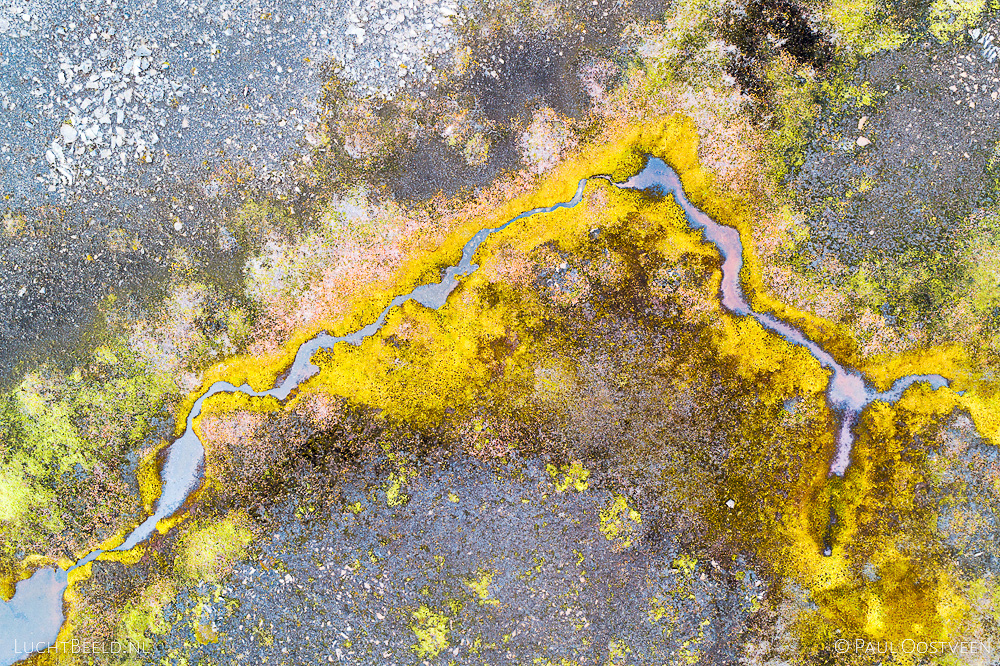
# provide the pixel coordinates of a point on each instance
(620, 522)
(431, 630)
(573, 475)
(208, 550)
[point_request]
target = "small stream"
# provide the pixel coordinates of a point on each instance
(848, 393)
(31, 620)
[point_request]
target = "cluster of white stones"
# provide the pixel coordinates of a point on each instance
(985, 39)
(391, 42)
(108, 111)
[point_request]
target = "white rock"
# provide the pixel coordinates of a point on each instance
(68, 133)
(143, 51)
(358, 32)
(731, 503)
(4, 24)
(863, 141)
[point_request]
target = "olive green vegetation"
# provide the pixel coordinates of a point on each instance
(64, 437)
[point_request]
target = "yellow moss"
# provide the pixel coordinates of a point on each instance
(205, 632)
(431, 631)
(607, 156)
(950, 18)
(618, 652)
(15, 495)
(481, 586)
(574, 475)
(438, 360)
(947, 360)
(148, 476)
(208, 549)
(619, 522)
(858, 24)
(686, 564)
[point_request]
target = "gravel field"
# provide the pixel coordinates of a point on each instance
(901, 176)
(515, 571)
(115, 114)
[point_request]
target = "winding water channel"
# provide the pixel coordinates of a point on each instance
(31, 620)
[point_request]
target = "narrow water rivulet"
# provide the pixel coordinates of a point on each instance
(33, 617)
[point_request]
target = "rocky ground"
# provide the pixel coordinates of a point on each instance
(902, 162)
(481, 563)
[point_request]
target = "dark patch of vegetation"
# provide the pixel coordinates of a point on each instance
(765, 29)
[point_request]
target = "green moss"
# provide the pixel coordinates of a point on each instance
(394, 495)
